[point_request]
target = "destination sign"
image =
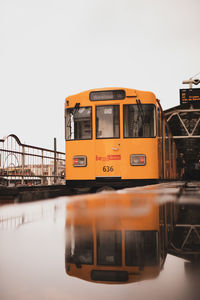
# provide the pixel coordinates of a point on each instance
(189, 95)
(107, 95)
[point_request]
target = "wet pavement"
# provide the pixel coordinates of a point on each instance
(46, 251)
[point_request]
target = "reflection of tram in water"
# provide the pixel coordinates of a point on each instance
(117, 241)
(117, 137)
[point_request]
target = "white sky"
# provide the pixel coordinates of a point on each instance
(50, 49)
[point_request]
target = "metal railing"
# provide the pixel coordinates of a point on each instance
(22, 164)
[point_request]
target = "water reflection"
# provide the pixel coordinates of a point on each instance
(118, 241)
(125, 240)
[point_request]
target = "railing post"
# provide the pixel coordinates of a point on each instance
(23, 164)
(55, 162)
(42, 181)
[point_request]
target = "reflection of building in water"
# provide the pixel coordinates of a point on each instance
(117, 241)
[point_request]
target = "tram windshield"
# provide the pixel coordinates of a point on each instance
(139, 120)
(109, 248)
(141, 248)
(79, 123)
(107, 121)
(79, 248)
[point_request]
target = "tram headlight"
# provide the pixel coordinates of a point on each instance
(80, 161)
(138, 160)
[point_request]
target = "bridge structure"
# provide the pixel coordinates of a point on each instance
(184, 122)
(186, 238)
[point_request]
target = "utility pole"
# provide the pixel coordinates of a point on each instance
(192, 81)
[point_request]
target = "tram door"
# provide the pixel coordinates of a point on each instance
(108, 148)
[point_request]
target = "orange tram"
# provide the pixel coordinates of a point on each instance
(118, 238)
(117, 137)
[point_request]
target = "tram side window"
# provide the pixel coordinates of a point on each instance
(107, 121)
(79, 123)
(139, 120)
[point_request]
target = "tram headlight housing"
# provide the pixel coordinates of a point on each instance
(80, 161)
(138, 159)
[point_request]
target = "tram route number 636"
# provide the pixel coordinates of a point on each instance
(108, 169)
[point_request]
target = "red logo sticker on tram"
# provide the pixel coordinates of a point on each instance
(108, 157)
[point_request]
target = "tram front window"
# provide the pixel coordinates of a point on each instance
(141, 248)
(79, 123)
(107, 121)
(139, 120)
(109, 248)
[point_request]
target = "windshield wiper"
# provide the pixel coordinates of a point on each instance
(76, 108)
(140, 109)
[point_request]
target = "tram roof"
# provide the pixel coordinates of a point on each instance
(129, 93)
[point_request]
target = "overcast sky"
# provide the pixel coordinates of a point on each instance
(50, 49)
